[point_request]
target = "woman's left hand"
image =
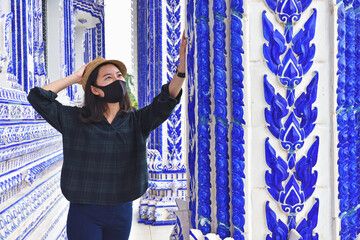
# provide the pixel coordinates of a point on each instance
(182, 53)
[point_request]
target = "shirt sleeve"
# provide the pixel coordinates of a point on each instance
(44, 103)
(159, 110)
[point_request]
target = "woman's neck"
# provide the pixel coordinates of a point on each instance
(111, 110)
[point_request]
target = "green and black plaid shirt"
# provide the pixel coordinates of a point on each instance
(104, 164)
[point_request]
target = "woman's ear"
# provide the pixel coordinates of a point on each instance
(95, 90)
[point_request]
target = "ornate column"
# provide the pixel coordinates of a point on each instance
(347, 116)
(159, 35)
(216, 117)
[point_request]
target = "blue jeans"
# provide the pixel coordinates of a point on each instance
(96, 222)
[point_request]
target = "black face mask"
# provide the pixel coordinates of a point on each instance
(114, 92)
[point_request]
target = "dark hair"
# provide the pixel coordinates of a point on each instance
(93, 109)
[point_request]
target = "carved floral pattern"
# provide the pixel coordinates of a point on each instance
(173, 33)
(291, 182)
(174, 140)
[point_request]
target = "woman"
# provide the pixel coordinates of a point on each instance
(104, 145)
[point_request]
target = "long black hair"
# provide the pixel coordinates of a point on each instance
(94, 109)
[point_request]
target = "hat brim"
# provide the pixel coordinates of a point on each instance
(97, 62)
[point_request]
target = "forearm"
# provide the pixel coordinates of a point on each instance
(61, 84)
(175, 86)
(177, 82)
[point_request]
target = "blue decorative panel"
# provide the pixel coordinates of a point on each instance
(100, 41)
(200, 115)
(173, 33)
(157, 205)
(190, 7)
(348, 102)
(237, 134)
(150, 59)
(142, 52)
(158, 60)
(68, 64)
(19, 37)
(94, 7)
(38, 50)
(204, 111)
(221, 124)
(290, 119)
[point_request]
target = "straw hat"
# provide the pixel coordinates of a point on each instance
(98, 61)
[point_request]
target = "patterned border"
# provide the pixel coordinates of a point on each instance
(15, 134)
(204, 111)
(12, 95)
(237, 134)
(174, 139)
(95, 8)
(55, 222)
(221, 121)
(348, 119)
(190, 7)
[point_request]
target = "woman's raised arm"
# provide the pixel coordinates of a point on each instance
(63, 83)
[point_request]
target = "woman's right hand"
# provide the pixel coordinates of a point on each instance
(79, 74)
(63, 83)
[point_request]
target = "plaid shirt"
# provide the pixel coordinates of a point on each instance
(104, 164)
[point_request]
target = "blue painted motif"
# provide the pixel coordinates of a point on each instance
(173, 43)
(288, 11)
(150, 67)
(348, 24)
(159, 58)
(237, 134)
(18, 38)
(8, 45)
(142, 52)
(191, 109)
(150, 59)
(68, 65)
(221, 124)
(278, 228)
(204, 111)
(24, 43)
(350, 141)
(95, 8)
(291, 182)
(38, 51)
(305, 228)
